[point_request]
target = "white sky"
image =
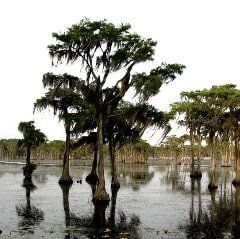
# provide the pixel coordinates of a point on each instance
(202, 34)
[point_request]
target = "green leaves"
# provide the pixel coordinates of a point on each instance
(111, 46)
(32, 137)
(103, 48)
(211, 111)
(148, 85)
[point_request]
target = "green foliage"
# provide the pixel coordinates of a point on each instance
(82, 102)
(102, 49)
(112, 46)
(32, 137)
(148, 85)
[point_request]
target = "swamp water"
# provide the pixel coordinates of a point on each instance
(156, 201)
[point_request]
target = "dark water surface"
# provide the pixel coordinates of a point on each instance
(157, 201)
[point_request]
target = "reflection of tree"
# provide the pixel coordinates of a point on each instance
(40, 177)
(236, 225)
(65, 192)
(176, 177)
(31, 215)
(96, 225)
(134, 176)
(1, 172)
(196, 215)
(212, 223)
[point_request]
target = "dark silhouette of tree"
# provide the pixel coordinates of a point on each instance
(32, 137)
(104, 49)
(64, 98)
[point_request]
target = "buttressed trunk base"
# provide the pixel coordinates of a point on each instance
(212, 186)
(65, 178)
(92, 178)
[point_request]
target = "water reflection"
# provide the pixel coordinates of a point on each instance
(97, 224)
(30, 215)
(236, 225)
(40, 177)
(134, 175)
(218, 220)
(178, 207)
(195, 214)
(175, 175)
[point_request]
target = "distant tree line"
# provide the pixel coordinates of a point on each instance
(138, 152)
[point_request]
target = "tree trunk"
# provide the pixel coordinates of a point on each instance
(99, 214)
(65, 178)
(100, 194)
(92, 178)
(28, 170)
(199, 155)
(28, 157)
(193, 173)
(192, 151)
(212, 185)
(115, 183)
(236, 180)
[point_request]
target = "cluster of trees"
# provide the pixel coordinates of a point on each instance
(91, 104)
(211, 115)
(136, 152)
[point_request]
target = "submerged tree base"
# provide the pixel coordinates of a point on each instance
(115, 184)
(196, 174)
(236, 182)
(65, 181)
(100, 196)
(212, 187)
(92, 178)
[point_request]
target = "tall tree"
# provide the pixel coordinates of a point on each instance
(104, 49)
(63, 96)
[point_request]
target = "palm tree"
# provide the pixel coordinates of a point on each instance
(32, 137)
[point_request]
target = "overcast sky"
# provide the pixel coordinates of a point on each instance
(204, 35)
